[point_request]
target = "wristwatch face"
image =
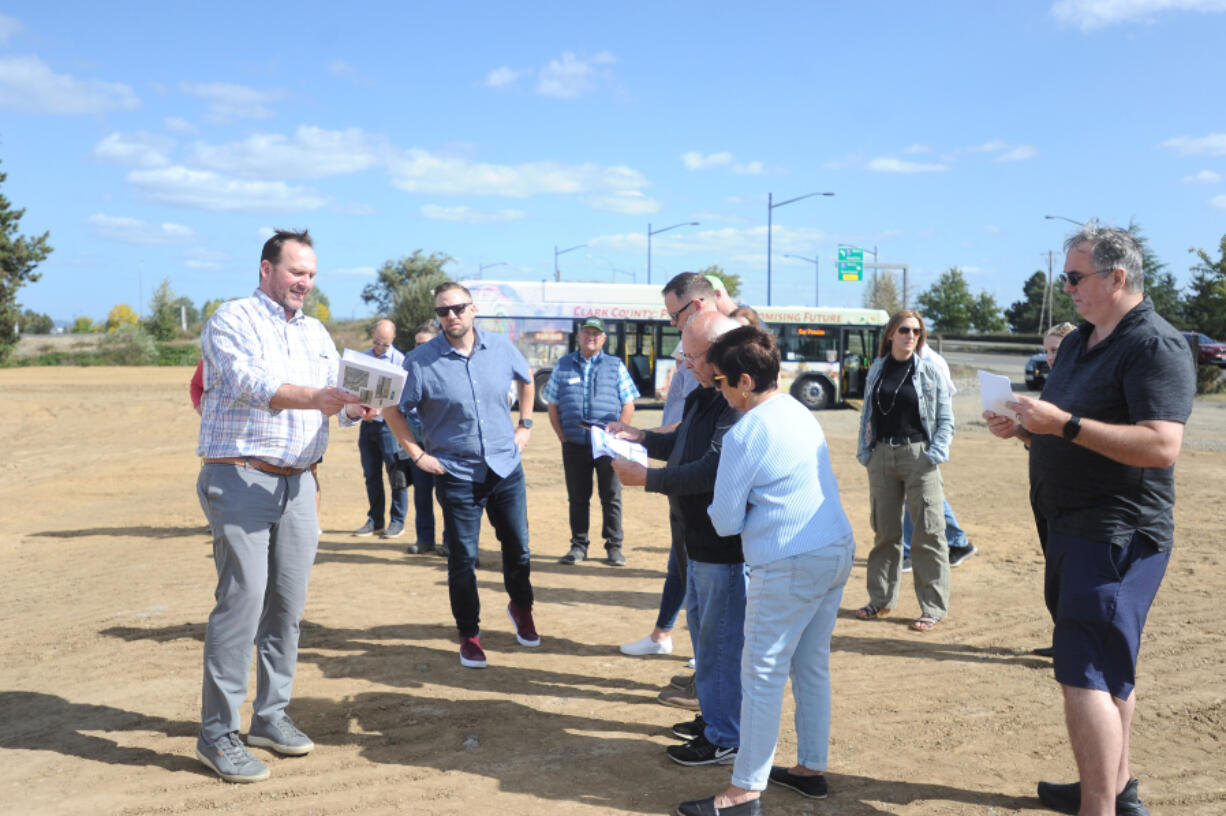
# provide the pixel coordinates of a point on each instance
(525, 423)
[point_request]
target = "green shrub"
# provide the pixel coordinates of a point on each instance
(129, 345)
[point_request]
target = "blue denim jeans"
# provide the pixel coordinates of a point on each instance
(378, 448)
(715, 609)
(504, 502)
(673, 596)
(423, 502)
(955, 536)
(791, 610)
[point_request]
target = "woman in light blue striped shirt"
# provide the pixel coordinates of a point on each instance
(775, 487)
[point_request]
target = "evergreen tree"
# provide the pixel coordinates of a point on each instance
(163, 322)
(985, 314)
(19, 257)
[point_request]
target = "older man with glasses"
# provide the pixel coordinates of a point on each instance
(379, 450)
(459, 382)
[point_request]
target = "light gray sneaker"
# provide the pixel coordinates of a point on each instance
(230, 759)
(281, 735)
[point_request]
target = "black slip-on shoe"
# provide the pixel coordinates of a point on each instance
(812, 787)
(1067, 798)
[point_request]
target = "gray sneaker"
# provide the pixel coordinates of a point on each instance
(281, 735)
(230, 759)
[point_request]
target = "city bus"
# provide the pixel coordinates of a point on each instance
(825, 352)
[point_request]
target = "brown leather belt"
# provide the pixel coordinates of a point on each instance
(258, 464)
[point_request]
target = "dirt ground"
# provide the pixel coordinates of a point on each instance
(106, 579)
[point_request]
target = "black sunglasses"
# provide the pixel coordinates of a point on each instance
(456, 309)
(909, 330)
(1073, 278)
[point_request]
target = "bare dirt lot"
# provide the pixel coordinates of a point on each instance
(106, 578)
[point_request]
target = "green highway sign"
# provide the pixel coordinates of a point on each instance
(851, 264)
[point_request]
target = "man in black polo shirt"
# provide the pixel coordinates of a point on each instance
(1103, 442)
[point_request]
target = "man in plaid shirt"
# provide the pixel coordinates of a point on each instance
(269, 388)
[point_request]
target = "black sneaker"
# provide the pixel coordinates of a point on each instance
(614, 557)
(959, 554)
(420, 547)
(812, 787)
(577, 553)
(701, 751)
(690, 729)
(1067, 798)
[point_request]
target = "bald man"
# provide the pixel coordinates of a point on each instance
(379, 450)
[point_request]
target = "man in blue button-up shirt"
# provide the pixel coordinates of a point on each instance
(458, 383)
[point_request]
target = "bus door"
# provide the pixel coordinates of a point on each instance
(639, 355)
(858, 347)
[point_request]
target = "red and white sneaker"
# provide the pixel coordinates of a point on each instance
(525, 629)
(472, 656)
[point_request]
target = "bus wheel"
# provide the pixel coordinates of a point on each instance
(813, 393)
(539, 379)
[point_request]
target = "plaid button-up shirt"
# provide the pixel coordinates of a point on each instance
(250, 350)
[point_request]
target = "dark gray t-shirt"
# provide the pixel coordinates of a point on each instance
(1142, 371)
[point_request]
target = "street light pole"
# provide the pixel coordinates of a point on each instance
(557, 273)
(816, 277)
(482, 267)
(651, 232)
(770, 209)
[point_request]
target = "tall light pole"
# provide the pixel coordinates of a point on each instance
(651, 232)
(816, 276)
(770, 209)
(1050, 300)
(557, 273)
(482, 267)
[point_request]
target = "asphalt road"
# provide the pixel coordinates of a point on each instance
(1011, 365)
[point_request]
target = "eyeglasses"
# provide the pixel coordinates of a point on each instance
(456, 310)
(677, 314)
(1073, 279)
(916, 330)
(692, 358)
(377, 344)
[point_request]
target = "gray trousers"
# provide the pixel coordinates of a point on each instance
(265, 533)
(903, 474)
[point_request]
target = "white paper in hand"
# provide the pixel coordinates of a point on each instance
(605, 444)
(995, 391)
(376, 383)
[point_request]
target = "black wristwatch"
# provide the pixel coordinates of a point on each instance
(1072, 428)
(525, 423)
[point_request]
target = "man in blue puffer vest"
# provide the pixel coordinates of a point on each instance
(588, 386)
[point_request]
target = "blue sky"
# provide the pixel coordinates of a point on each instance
(164, 140)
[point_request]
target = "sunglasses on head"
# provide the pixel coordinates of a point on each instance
(909, 330)
(456, 310)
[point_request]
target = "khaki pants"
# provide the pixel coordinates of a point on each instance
(903, 474)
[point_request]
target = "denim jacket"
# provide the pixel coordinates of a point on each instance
(935, 409)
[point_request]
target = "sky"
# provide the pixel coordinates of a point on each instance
(166, 140)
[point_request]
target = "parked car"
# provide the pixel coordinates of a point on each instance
(1036, 371)
(1208, 350)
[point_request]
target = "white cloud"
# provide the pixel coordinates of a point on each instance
(134, 231)
(573, 75)
(753, 168)
(467, 215)
(694, 160)
(1218, 202)
(1091, 14)
(29, 84)
(1203, 177)
(139, 149)
(1019, 153)
(503, 76)
(987, 147)
(419, 171)
(726, 218)
(206, 190)
(354, 271)
(201, 258)
(176, 124)
(744, 245)
(312, 153)
(916, 148)
(8, 27)
(886, 165)
(265, 233)
(1212, 145)
(228, 101)
(625, 202)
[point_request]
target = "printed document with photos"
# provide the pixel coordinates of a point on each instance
(376, 383)
(605, 444)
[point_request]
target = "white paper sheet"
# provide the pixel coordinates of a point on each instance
(377, 383)
(994, 391)
(605, 444)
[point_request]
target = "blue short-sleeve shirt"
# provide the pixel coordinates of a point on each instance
(462, 402)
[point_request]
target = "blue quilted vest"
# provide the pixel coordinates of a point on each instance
(606, 402)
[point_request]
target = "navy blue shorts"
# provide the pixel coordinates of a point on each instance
(1099, 595)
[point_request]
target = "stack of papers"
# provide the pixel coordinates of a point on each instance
(605, 444)
(376, 383)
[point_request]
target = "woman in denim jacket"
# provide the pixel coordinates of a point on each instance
(905, 429)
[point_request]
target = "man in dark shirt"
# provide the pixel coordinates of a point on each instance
(1103, 443)
(715, 586)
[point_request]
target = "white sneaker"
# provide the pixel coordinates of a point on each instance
(692, 663)
(647, 646)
